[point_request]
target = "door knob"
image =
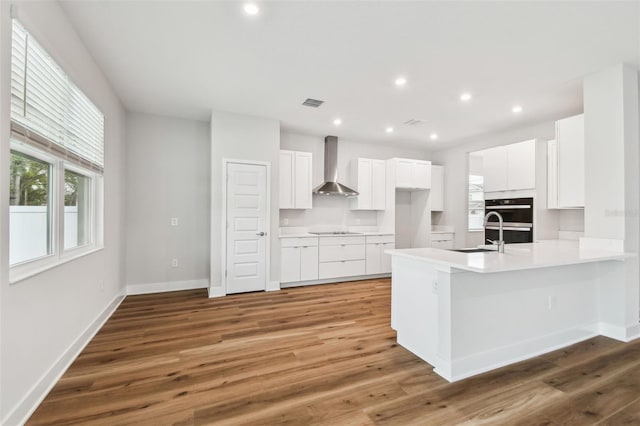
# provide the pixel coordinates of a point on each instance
(261, 234)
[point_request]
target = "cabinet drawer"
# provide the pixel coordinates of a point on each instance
(337, 241)
(299, 242)
(380, 239)
(342, 252)
(346, 268)
(442, 236)
(446, 245)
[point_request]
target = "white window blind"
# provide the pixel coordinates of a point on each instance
(48, 109)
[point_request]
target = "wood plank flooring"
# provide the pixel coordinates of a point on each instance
(317, 355)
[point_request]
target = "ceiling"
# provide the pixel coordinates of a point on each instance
(186, 58)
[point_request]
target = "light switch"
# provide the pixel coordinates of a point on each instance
(174, 221)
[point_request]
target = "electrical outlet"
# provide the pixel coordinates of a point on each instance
(285, 221)
(434, 287)
(101, 284)
(174, 221)
(174, 263)
(357, 221)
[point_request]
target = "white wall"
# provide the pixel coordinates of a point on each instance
(168, 176)
(42, 316)
(334, 211)
(242, 137)
(456, 179)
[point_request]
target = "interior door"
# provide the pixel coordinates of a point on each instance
(246, 227)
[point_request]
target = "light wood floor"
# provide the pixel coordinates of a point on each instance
(317, 355)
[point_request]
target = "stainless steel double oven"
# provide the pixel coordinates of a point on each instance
(517, 214)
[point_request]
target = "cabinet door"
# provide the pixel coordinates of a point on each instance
(437, 188)
(286, 179)
(552, 174)
(378, 184)
(494, 166)
(373, 258)
(289, 264)
(308, 263)
(521, 165)
(403, 173)
(365, 184)
(421, 175)
(302, 180)
(570, 140)
(385, 259)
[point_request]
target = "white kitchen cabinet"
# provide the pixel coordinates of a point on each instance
(552, 174)
(412, 174)
(377, 262)
(442, 240)
(437, 188)
(295, 179)
(368, 177)
(298, 259)
(494, 167)
(521, 165)
(570, 168)
(510, 167)
(341, 257)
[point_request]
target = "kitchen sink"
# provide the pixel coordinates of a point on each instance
(473, 250)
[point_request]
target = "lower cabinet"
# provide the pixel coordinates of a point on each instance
(322, 258)
(298, 259)
(377, 261)
(442, 240)
(341, 257)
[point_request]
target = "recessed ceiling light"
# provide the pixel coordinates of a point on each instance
(465, 97)
(251, 9)
(337, 121)
(516, 109)
(389, 130)
(433, 136)
(401, 81)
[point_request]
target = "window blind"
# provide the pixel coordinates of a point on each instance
(48, 109)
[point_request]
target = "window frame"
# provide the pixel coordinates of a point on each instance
(59, 255)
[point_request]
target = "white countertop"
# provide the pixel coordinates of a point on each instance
(542, 254)
(357, 234)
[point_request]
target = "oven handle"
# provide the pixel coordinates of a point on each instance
(511, 224)
(512, 207)
(508, 228)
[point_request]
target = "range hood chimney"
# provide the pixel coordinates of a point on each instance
(331, 186)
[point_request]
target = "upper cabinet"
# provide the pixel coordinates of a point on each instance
(295, 180)
(565, 164)
(412, 174)
(437, 188)
(510, 167)
(368, 177)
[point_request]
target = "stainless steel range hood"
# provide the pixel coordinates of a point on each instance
(331, 186)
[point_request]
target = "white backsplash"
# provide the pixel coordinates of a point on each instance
(332, 211)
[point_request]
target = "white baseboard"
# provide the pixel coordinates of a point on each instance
(499, 357)
(216, 292)
(334, 280)
(162, 287)
(273, 285)
(618, 332)
(25, 408)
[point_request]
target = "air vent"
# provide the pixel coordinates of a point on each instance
(414, 122)
(313, 103)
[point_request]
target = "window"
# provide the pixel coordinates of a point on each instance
(57, 160)
(29, 208)
(476, 202)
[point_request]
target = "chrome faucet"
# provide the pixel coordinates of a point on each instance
(500, 242)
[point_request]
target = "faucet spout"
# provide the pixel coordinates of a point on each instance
(500, 242)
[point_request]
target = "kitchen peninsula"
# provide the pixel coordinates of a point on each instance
(467, 313)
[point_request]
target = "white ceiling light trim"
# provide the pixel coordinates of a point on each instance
(517, 109)
(465, 96)
(433, 136)
(389, 129)
(337, 121)
(251, 9)
(400, 81)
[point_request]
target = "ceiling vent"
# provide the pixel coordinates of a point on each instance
(313, 103)
(414, 122)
